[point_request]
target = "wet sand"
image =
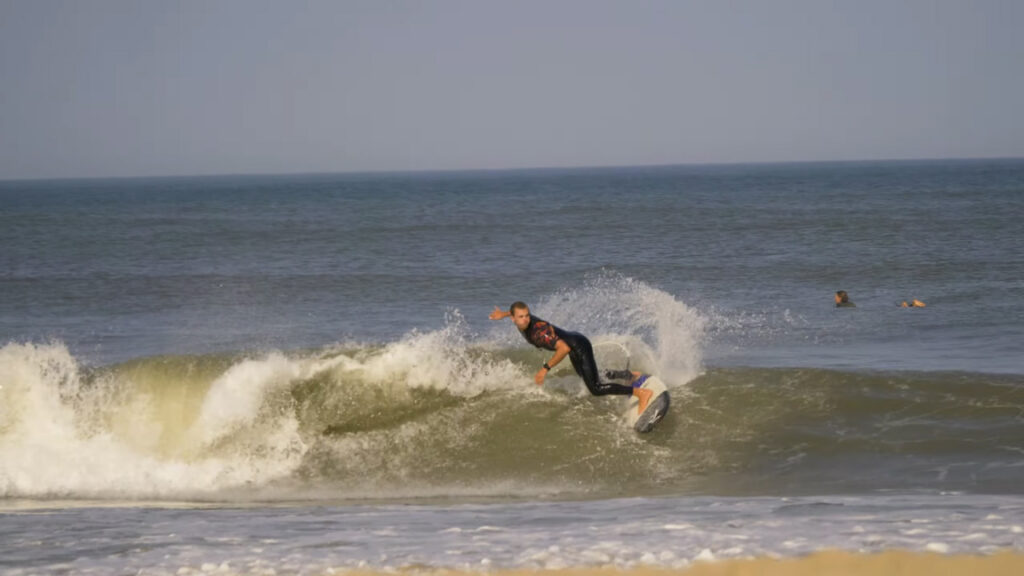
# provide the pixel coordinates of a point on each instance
(893, 563)
(827, 563)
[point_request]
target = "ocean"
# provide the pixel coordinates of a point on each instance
(296, 374)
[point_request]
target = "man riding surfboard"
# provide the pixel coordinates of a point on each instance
(577, 347)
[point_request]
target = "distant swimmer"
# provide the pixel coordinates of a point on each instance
(563, 343)
(915, 303)
(843, 300)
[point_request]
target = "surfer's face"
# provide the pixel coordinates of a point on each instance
(521, 316)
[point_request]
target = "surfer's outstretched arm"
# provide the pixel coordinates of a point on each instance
(498, 314)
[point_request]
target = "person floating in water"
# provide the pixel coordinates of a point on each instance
(563, 343)
(915, 303)
(843, 300)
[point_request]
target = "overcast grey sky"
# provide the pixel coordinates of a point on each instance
(123, 88)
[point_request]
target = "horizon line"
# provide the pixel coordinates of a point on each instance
(382, 172)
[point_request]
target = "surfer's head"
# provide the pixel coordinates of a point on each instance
(520, 314)
(842, 297)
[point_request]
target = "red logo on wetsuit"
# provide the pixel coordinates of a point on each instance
(541, 334)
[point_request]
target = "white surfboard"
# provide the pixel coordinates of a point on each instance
(656, 409)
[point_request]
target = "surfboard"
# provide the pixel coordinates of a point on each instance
(656, 409)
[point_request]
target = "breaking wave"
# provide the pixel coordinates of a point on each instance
(450, 414)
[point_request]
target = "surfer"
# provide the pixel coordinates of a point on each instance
(563, 343)
(843, 300)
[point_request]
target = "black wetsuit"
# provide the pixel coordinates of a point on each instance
(544, 335)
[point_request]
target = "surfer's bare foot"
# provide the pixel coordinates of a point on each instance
(644, 395)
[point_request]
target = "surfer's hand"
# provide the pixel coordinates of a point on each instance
(497, 314)
(539, 376)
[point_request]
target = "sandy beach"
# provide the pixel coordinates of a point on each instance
(825, 563)
(893, 563)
